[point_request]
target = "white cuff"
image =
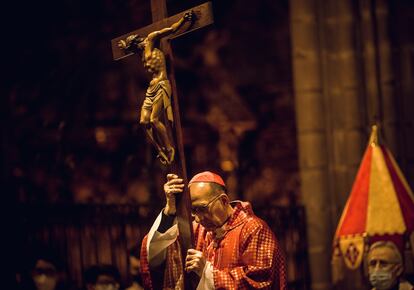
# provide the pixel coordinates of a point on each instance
(157, 242)
(207, 278)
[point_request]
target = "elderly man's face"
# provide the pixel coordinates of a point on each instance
(384, 261)
(207, 207)
(382, 258)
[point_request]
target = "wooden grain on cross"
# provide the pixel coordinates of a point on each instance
(203, 14)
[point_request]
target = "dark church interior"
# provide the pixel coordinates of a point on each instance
(276, 96)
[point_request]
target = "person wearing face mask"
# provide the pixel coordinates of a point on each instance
(135, 269)
(45, 275)
(385, 267)
(46, 271)
(102, 277)
(234, 249)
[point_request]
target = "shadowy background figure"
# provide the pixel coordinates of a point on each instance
(102, 277)
(135, 268)
(44, 271)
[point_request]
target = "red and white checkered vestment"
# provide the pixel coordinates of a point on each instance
(247, 257)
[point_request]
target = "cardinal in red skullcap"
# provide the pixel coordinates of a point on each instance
(234, 249)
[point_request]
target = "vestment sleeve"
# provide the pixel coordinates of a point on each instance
(262, 265)
(154, 251)
(157, 242)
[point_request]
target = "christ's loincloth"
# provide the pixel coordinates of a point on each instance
(157, 92)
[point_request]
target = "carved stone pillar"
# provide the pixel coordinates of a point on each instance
(378, 70)
(345, 107)
(311, 136)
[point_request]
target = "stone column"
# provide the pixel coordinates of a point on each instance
(311, 136)
(379, 74)
(345, 107)
(344, 99)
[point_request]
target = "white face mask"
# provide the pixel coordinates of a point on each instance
(381, 280)
(107, 287)
(44, 282)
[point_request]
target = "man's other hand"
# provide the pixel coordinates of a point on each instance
(195, 261)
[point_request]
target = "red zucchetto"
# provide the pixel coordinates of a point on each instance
(207, 176)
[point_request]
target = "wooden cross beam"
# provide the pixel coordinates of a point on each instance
(203, 17)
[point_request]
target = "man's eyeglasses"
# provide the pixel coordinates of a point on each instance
(202, 209)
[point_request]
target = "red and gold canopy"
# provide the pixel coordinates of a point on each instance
(381, 203)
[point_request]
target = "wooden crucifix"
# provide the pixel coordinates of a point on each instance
(143, 41)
